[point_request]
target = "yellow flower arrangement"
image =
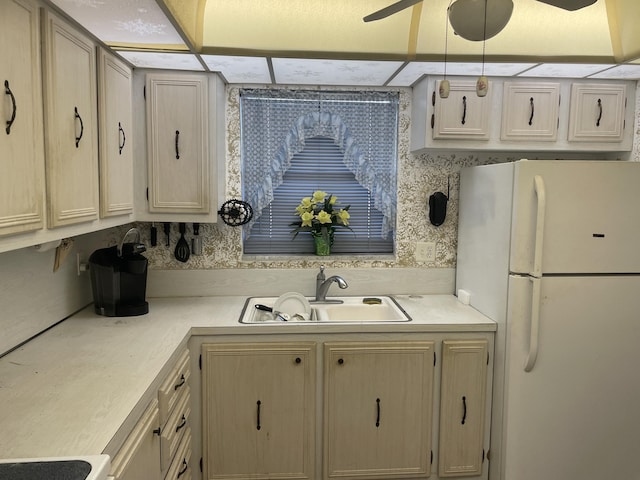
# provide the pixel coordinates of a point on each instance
(320, 216)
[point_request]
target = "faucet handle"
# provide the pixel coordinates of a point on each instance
(321, 274)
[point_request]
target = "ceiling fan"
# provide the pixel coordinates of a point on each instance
(463, 14)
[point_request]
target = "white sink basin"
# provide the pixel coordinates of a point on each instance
(351, 309)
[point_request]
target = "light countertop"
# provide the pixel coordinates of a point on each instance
(68, 391)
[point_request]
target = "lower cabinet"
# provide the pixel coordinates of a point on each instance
(378, 407)
(310, 408)
(258, 410)
(159, 446)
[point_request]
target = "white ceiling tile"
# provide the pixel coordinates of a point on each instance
(414, 70)
(172, 61)
(333, 72)
(627, 71)
(239, 69)
(123, 21)
(565, 70)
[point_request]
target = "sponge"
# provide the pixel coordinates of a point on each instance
(371, 301)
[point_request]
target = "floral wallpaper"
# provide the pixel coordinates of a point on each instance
(418, 177)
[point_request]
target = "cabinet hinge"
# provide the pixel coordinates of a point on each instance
(434, 359)
(483, 455)
(487, 358)
(147, 194)
(431, 457)
(200, 464)
(144, 92)
(200, 361)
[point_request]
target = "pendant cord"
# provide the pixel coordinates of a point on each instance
(446, 39)
(484, 34)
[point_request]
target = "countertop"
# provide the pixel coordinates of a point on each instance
(68, 391)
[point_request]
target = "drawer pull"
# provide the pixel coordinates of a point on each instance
(599, 112)
(184, 468)
(258, 403)
(182, 380)
(464, 409)
(79, 137)
(182, 424)
(124, 138)
(377, 412)
(532, 110)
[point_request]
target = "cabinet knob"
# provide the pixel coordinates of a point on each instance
(298, 360)
(340, 361)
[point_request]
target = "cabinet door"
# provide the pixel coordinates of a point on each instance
(70, 124)
(139, 457)
(378, 409)
(462, 407)
(116, 136)
(21, 141)
(259, 411)
(597, 112)
(530, 111)
(178, 143)
(463, 115)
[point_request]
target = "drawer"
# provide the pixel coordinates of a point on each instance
(180, 468)
(174, 429)
(175, 382)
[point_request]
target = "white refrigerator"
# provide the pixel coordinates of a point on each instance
(551, 251)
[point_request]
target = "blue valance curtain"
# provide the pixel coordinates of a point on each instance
(276, 123)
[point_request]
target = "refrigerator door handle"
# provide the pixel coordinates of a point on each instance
(535, 325)
(541, 206)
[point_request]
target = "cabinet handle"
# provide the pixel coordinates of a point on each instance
(377, 412)
(124, 138)
(14, 108)
(157, 431)
(184, 468)
(599, 112)
(464, 409)
(464, 110)
(532, 111)
(258, 403)
(182, 380)
(177, 149)
(77, 115)
(182, 424)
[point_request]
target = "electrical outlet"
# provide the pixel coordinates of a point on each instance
(426, 251)
(81, 265)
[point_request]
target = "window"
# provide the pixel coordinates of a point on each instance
(294, 143)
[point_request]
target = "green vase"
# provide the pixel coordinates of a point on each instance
(323, 243)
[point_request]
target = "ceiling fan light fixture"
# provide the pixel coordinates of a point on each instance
(466, 17)
(571, 5)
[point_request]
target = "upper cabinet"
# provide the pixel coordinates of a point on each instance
(116, 136)
(178, 145)
(524, 115)
(463, 115)
(21, 138)
(71, 138)
(530, 111)
(597, 112)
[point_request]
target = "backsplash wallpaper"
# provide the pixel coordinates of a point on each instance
(418, 177)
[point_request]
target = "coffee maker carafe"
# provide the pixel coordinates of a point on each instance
(119, 278)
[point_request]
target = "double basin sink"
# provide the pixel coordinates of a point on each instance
(336, 310)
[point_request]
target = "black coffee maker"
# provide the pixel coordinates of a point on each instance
(119, 279)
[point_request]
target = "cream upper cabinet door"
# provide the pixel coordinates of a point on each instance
(530, 111)
(71, 140)
(463, 115)
(378, 409)
(116, 136)
(139, 456)
(463, 402)
(259, 411)
(597, 112)
(21, 138)
(178, 143)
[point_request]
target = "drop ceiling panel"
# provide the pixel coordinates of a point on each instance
(333, 72)
(124, 22)
(414, 70)
(239, 69)
(171, 61)
(565, 70)
(627, 71)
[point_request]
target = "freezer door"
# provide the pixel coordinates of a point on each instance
(591, 217)
(574, 415)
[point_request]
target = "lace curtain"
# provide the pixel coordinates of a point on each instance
(276, 124)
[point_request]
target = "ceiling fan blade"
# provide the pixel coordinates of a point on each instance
(391, 9)
(570, 5)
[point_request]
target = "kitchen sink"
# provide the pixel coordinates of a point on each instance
(90, 467)
(357, 309)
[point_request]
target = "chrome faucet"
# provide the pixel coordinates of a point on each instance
(323, 284)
